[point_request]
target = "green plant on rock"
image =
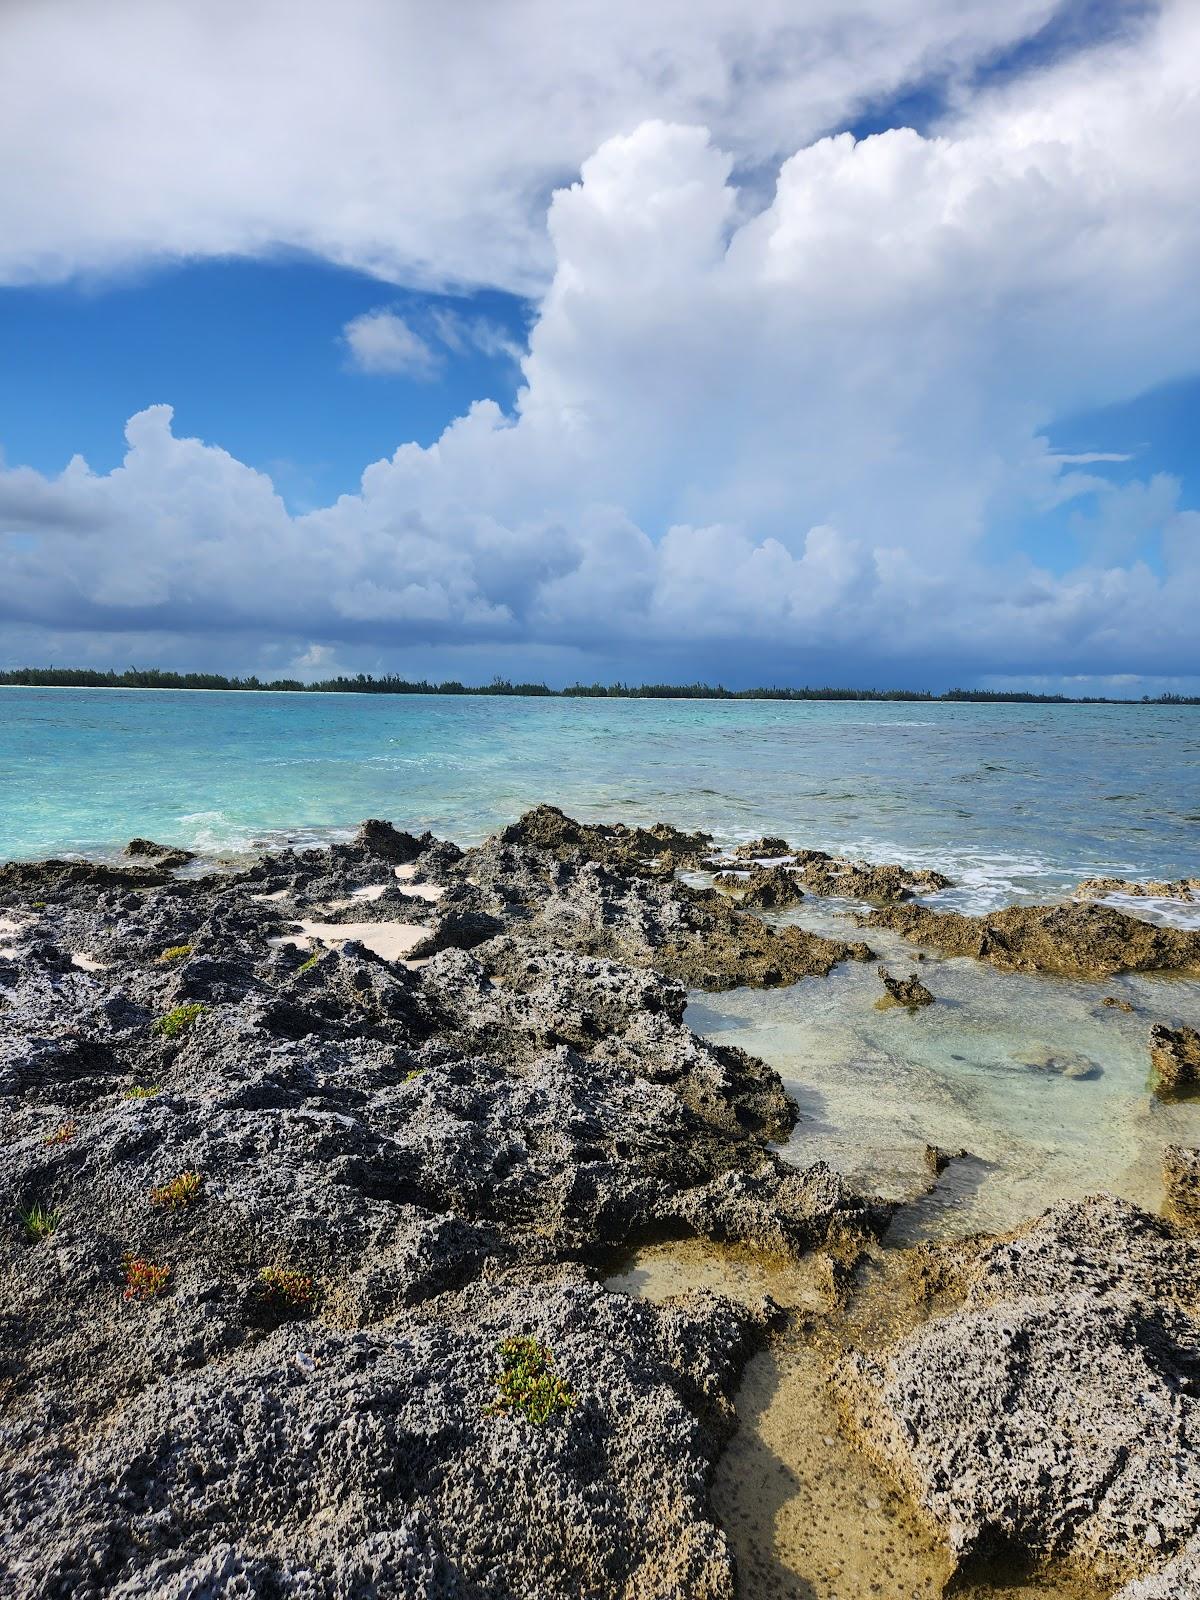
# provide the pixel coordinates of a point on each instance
(307, 966)
(40, 1221)
(528, 1383)
(142, 1091)
(286, 1288)
(178, 1193)
(178, 1020)
(63, 1134)
(175, 952)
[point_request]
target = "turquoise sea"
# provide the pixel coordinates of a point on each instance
(1014, 802)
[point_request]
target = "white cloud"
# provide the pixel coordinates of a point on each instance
(771, 435)
(382, 342)
(412, 140)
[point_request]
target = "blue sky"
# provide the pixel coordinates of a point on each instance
(686, 359)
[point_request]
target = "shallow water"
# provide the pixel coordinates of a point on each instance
(974, 1071)
(809, 1515)
(1013, 801)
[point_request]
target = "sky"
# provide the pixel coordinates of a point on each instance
(839, 341)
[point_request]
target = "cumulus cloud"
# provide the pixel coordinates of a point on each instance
(418, 142)
(787, 428)
(381, 341)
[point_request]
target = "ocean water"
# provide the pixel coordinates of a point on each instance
(1016, 803)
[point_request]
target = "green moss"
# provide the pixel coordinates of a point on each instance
(40, 1222)
(176, 952)
(142, 1091)
(308, 965)
(178, 1020)
(527, 1383)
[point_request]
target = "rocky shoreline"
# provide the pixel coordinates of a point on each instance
(304, 1244)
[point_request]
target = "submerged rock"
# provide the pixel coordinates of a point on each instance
(1075, 941)
(1057, 1412)
(910, 991)
(1175, 1059)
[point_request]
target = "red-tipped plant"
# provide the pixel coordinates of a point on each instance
(144, 1280)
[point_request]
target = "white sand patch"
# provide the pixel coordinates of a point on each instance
(427, 891)
(391, 940)
(277, 894)
(87, 962)
(371, 892)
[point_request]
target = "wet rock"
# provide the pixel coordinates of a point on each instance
(746, 953)
(768, 846)
(1181, 1179)
(695, 935)
(1175, 1059)
(1076, 941)
(838, 878)
(388, 843)
(1176, 889)
(763, 888)
(910, 991)
(652, 851)
(1115, 1004)
(1057, 1412)
(165, 855)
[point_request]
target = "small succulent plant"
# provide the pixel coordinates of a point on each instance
(144, 1280)
(178, 1020)
(286, 1288)
(178, 1193)
(528, 1383)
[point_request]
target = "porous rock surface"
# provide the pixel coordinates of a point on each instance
(774, 865)
(1181, 1179)
(1057, 1411)
(449, 1149)
(1154, 889)
(1075, 941)
(1175, 1058)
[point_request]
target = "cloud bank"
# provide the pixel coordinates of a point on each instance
(764, 431)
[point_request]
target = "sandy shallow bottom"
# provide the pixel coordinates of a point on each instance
(811, 1517)
(988, 1069)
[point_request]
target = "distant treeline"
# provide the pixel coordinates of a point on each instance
(365, 683)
